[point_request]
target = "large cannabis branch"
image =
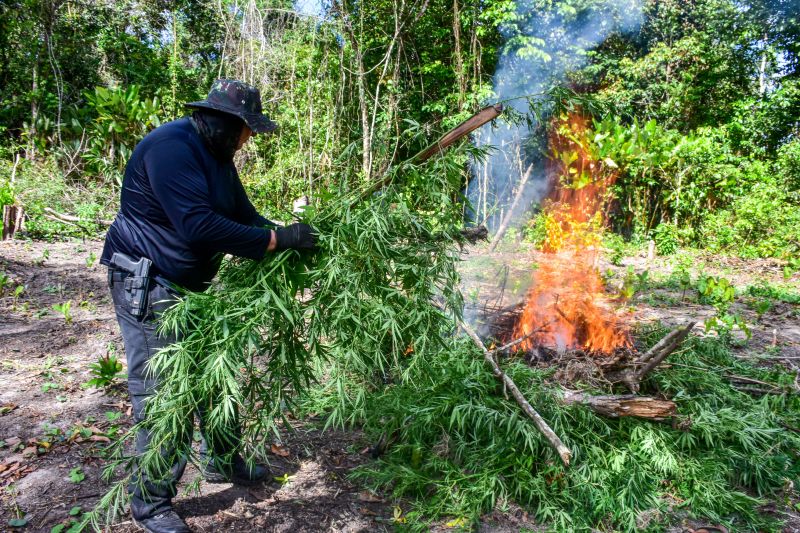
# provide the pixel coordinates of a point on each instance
(373, 305)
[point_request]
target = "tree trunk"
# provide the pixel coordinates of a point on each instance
(30, 149)
(458, 56)
(510, 215)
(12, 220)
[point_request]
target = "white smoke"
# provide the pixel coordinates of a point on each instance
(543, 43)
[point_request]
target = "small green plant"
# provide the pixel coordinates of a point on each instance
(760, 306)
(44, 257)
(4, 280)
(71, 526)
(720, 293)
(628, 288)
(774, 292)
(76, 475)
(616, 247)
(88, 305)
(58, 288)
(47, 387)
(643, 280)
(535, 231)
(666, 238)
(18, 292)
(90, 260)
(64, 309)
(792, 266)
(682, 276)
(105, 371)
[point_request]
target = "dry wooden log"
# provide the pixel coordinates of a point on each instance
(554, 440)
(71, 218)
(623, 405)
(477, 120)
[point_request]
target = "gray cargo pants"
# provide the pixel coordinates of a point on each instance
(148, 497)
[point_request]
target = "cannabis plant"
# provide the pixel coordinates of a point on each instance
(370, 307)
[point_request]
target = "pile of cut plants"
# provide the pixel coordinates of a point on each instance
(368, 330)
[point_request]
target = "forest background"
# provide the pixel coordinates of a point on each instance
(697, 105)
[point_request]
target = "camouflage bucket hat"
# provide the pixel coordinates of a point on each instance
(239, 99)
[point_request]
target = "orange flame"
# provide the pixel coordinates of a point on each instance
(567, 306)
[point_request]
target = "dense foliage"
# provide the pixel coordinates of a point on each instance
(371, 306)
(461, 450)
(696, 102)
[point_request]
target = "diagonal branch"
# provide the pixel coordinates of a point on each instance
(554, 440)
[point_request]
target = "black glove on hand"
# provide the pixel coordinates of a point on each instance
(297, 236)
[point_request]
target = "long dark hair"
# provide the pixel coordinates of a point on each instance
(220, 131)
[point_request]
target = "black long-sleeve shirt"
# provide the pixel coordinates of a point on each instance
(183, 209)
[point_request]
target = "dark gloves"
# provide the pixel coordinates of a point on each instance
(297, 236)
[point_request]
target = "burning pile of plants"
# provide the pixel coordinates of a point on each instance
(579, 418)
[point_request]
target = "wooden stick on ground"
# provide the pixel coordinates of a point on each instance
(633, 374)
(554, 440)
(623, 405)
(655, 355)
(71, 218)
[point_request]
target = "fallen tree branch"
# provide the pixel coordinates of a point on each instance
(487, 114)
(70, 218)
(616, 406)
(655, 355)
(634, 372)
(554, 440)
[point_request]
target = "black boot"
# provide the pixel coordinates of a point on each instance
(237, 472)
(165, 522)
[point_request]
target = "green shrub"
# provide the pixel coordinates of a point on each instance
(666, 238)
(121, 117)
(615, 243)
(41, 184)
(535, 231)
(6, 194)
(763, 223)
(788, 165)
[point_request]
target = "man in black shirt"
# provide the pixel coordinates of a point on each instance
(182, 208)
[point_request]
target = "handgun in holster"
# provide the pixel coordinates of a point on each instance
(137, 285)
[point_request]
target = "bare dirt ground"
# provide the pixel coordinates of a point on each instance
(53, 430)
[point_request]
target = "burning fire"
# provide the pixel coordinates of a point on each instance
(567, 306)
